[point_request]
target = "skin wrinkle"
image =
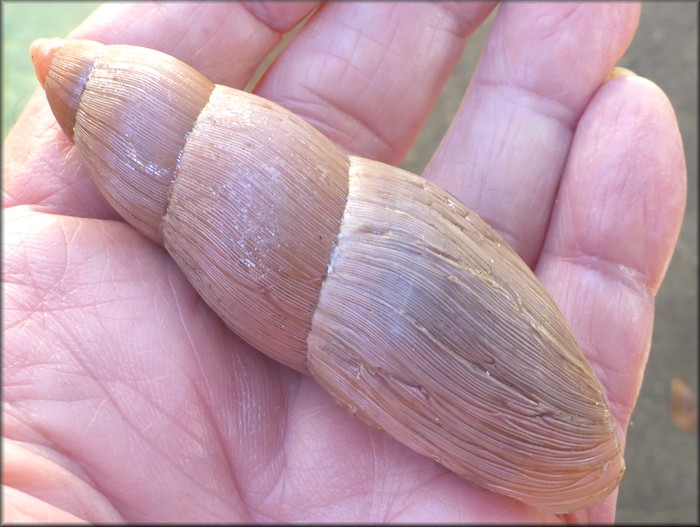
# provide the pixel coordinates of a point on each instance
(171, 273)
(274, 37)
(391, 53)
(633, 279)
(377, 482)
(558, 22)
(399, 506)
(50, 143)
(523, 97)
(329, 58)
(384, 46)
(139, 432)
(60, 475)
(311, 428)
(47, 292)
(33, 155)
(364, 126)
(503, 228)
(73, 186)
(389, 492)
(23, 507)
(278, 485)
(262, 13)
(161, 410)
(74, 465)
(20, 322)
(460, 24)
(221, 25)
(619, 409)
(170, 21)
(596, 356)
(498, 34)
(349, 113)
(622, 213)
(205, 397)
(298, 104)
(375, 87)
(277, 464)
(499, 515)
(516, 68)
(510, 128)
(56, 291)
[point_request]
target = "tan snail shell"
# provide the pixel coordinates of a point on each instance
(400, 301)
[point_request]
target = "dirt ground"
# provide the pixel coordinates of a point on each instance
(661, 481)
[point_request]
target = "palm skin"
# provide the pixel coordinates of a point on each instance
(127, 399)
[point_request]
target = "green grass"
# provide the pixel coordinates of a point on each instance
(22, 22)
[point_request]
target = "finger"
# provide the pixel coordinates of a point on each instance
(33, 470)
(225, 41)
(368, 74)
(22, 507)
(613, 231)
(505, 151)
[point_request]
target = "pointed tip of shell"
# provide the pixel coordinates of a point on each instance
(42, 52)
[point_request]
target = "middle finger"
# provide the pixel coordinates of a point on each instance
(368, 74)
(507, 146)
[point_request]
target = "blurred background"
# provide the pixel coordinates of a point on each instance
(661, 481)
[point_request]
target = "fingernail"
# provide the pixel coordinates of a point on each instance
(618, 71)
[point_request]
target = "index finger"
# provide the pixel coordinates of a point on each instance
(41, 167)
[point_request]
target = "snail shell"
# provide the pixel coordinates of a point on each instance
(399, 300)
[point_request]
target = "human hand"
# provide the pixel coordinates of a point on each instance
(141, 406)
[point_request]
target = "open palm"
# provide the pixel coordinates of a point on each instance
(127, 399)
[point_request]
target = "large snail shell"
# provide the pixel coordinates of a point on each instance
(399, 300)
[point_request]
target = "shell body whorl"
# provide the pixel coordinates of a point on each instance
(399, 300)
